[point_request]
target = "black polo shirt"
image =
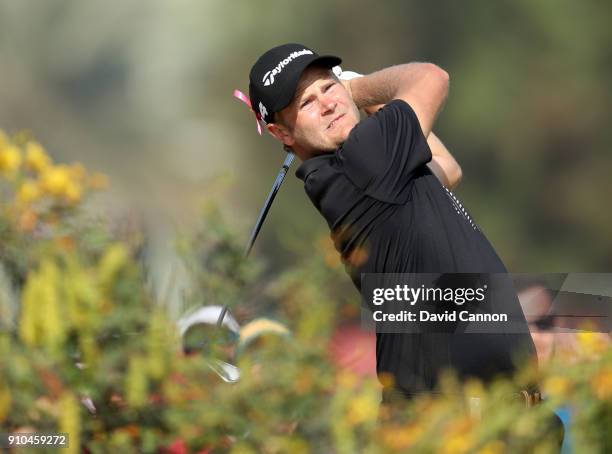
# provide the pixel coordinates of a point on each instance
(388, 213)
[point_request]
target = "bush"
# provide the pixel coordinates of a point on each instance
(85, 349)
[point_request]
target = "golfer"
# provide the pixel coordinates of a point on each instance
(383, 186)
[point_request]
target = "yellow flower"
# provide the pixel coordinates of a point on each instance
(601, 383)
(362, 409)
(36, 158)
(28, 192)
(557, 386)
(400, 437)
(241, 448)
(72, 193)
(5, 394)
(55, 180)
(69, 420)
(10, 159)
(136, 383)
(28, 321)
(457, 437)
(51, 315)
(346, 380)
(89, 348)
(493, 447)
(457, 444)
(157, 339)
(42, 320)
(593, 344)
(114, 258)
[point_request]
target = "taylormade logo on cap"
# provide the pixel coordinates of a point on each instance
(268, 78)
(262, 110)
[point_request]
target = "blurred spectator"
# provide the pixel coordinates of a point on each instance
(354, 349)
(552, 334)
(536, 301)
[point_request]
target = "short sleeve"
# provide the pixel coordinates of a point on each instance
(384, 152)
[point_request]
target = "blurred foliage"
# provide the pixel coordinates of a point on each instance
(84, 349)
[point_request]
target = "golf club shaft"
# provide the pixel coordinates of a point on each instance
(263, 213)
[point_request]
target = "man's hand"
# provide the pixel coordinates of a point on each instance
(345, 78)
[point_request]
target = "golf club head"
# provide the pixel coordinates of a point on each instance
(201, 333)
(226, 371)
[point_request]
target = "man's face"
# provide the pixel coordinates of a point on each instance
(320, 117)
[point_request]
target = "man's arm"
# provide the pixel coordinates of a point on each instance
(443, 165)
(423, 86)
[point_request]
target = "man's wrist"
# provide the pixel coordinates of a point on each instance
(346, 78)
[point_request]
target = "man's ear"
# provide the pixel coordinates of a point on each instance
(281, 133)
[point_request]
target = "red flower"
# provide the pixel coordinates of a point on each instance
(178, 447)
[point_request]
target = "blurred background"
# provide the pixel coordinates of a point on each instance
(142, 90)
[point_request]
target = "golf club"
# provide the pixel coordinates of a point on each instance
(264, 212)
